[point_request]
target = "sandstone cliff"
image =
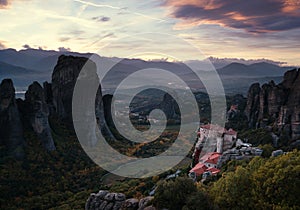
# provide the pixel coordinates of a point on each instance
(64, 78)
(41, 102)
(277, 105)
(38, 113)
(170, 107)
(11, 129)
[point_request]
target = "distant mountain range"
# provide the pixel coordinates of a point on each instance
(35, 59)
(8, 69)
(29, 65)
(262, 69)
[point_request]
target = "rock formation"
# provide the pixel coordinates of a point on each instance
(64, 78)
(276, 104)
(11, 129)
(235, 116)
(53, 99)
(38, 112)
(104, 200)
(251, 110)
(107, 100)
(49, 97)
(131, 204)
(170, 107)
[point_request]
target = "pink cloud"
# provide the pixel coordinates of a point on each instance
(258, 16)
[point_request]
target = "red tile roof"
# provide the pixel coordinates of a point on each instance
(211, 157)
(199, 169)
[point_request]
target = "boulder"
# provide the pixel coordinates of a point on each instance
(104, 200)
(131, 204)
(144, 202)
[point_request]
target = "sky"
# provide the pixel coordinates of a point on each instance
(253, 29)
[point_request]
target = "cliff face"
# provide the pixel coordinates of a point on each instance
(11, 129)
(41, 102)
(64, 78)
(38, 112)
(49, 97)
(277, 104)
(253, 101)
(169, 107)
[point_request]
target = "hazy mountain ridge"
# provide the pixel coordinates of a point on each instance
(29, 65)
(261, 69)
(9, 69)
(36, 59)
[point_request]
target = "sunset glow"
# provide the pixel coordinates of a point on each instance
(258, 29)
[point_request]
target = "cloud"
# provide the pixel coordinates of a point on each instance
(64, 39)
(4, 4)
(63, 49)
(258, 16)
(26, 46)
(121, 9)
(101, 19)
(77, 32)
(99, 38)
(2, 45)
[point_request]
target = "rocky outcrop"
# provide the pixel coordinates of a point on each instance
(131, 204)
(38, 112)
(11, 129)
(252, 107)
(144, 202)
(49, 97)
(272, 97)
(53, 99)
(170, 107)
(278, 105)
(104, 200)
(235, 116)
(107, 100)
(64, 78)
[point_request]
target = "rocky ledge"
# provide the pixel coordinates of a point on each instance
(104, 200)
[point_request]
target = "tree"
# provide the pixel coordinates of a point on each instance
(262, 184)
(233, 191)
(173, 194)
(197, 201)
(277, 183)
